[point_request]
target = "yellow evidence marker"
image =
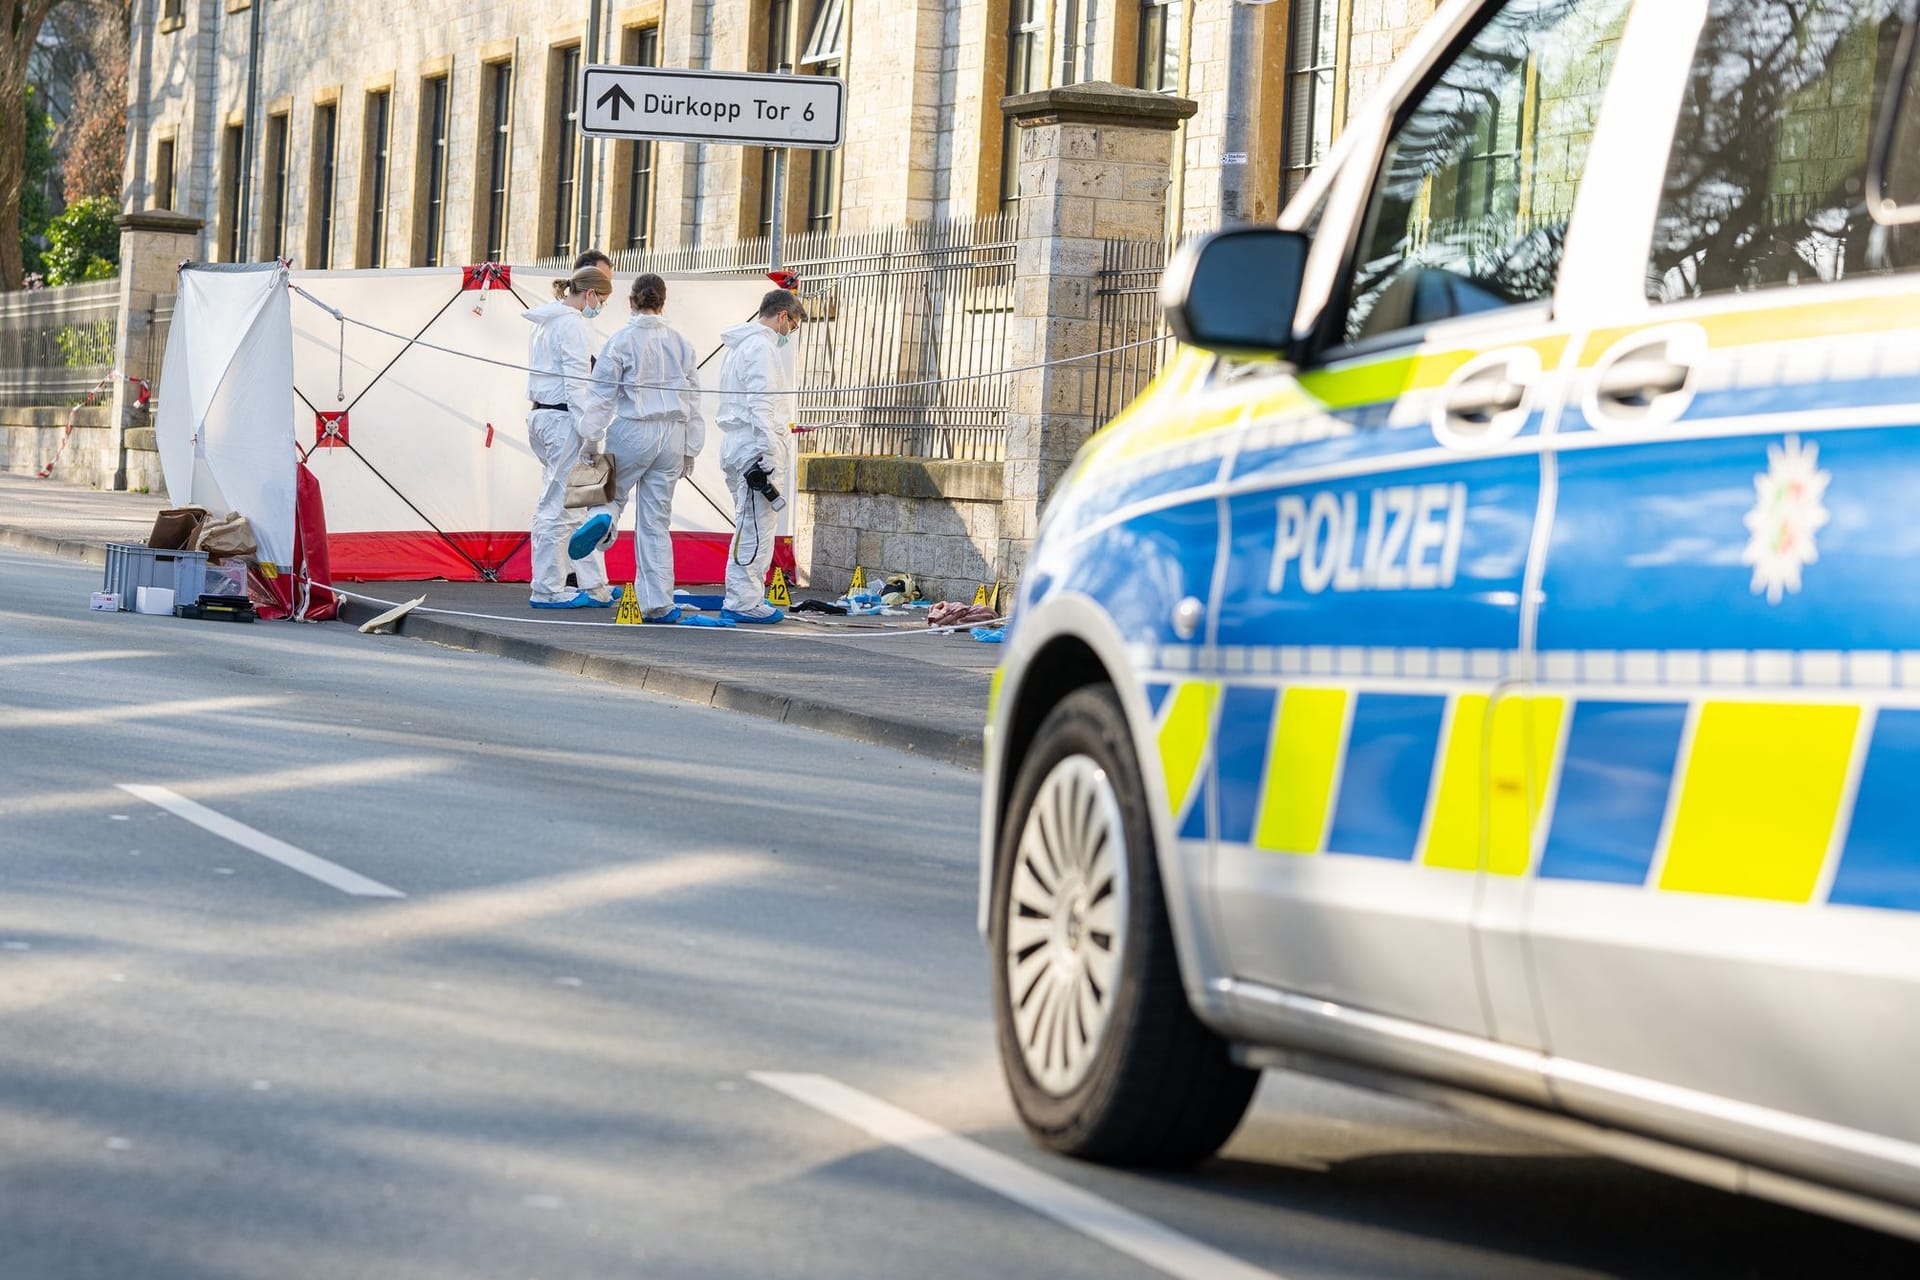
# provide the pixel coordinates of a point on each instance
(777, 594)
(859, 579)
(980, 594)
(629, 610)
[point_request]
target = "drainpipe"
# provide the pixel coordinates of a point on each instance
(1178, 219)
(701, 15)
(250, 127)
(1239, 123)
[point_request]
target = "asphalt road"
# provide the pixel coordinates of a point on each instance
(406, 962)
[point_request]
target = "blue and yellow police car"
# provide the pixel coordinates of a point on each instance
(1485, 664)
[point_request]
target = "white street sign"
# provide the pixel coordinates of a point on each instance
(713, 106)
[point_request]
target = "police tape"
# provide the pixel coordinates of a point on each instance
(416, 341)
(850, 633)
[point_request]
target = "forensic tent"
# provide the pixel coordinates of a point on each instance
(225, 426)
(417, 431)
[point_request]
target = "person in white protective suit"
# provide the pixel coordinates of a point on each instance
(755, 449)
(560, 359)
(645, 396)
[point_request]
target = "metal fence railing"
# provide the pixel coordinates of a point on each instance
(1128, 294)
(159, 322)
(906, 341)
(57, 344)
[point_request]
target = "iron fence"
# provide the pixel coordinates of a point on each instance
(1128, 293)
(905, 347)
(159, 323)
(56, 345)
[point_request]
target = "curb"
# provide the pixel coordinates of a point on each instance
(949, 746)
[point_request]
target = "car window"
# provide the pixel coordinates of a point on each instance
(1766, 183)
(1471, 206)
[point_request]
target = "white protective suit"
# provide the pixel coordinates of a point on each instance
(751, 430)
(560, 350)
(646, 397)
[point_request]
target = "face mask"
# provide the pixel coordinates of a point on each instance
(781, 341)
(590, 312)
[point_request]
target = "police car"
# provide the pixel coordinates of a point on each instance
(1486, 663)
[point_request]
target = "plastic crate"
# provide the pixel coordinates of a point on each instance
(131, 566)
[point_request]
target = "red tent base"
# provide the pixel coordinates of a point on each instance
(409, 556)
(286, 595)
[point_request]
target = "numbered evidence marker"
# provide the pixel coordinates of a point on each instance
(980, 594)
(777, 593)
(629, 611)
(859, 579)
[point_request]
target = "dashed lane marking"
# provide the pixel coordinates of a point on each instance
(1140, 1238)
(307, 864)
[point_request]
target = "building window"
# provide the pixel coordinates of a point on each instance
(496, 156)
(373, 180)
(1160, 45)
(163, 174)
(826, 48)
(232, 156)
(172, 14)
(779, 41)
(430, 187)
(564, 129)
(1310, 80)
(1068, 41)
(274, 216)
(320, 186)
(1025, 73)
(642, 50)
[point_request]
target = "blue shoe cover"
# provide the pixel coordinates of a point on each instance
(581, 600)
(703, 620)
(766, 619)
(671, 616)
(586, 539)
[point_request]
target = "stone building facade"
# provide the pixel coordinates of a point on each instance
(357, 133)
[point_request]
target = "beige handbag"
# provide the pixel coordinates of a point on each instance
(590, 483)
(228, 537)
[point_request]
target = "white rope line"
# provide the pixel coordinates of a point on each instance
(655, 386)
(856, 633)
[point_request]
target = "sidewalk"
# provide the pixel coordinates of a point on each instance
(880, 680)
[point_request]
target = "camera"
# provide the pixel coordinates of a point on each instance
(761, 482)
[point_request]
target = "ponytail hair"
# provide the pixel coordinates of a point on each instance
(649, 292)
(560, 287)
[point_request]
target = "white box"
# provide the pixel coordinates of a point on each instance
(154, 600)
(105, 601)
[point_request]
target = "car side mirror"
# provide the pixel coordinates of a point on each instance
(1893, 190)
(1236, 290)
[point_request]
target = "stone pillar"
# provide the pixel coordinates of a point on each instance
(1095, 161)
(153, 243)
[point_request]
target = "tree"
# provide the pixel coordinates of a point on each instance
(94, 136)
(19, 28)
(34, 212)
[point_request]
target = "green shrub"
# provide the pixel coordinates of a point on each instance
(83, 243)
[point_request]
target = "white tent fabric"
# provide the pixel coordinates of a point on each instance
(431, 474)
(225, 426)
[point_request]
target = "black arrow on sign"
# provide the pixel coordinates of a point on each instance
(616, 96)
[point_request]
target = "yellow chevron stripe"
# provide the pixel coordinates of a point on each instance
(1760, 792)
(1185, 730)
(1526, 732)
(1308, 740)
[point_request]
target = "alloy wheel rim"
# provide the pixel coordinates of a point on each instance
(1066, 923)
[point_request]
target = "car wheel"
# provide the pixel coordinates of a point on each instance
(1103, 1054)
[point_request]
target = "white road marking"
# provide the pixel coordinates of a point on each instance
(1158, 1246)
(62, 659)
(17, 718)
(307, 864)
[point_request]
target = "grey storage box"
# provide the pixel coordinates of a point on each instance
(131, 566)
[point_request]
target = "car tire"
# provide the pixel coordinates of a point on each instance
(1102, 1052)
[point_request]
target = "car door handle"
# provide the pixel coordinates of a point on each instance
(1639, 378)
(1486, 395)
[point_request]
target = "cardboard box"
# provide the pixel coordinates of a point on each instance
(105, 601)
(154, 600)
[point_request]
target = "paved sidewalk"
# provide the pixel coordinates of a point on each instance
(880, 680)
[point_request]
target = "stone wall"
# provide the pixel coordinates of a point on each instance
(30, 438)
(939, 521)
